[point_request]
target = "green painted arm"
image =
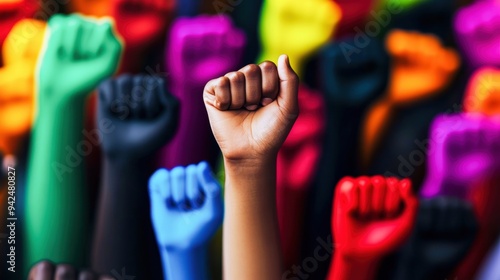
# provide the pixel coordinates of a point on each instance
(78, 53)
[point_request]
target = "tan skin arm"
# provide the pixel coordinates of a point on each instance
(251, 112)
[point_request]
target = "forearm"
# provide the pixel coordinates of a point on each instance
(344, 268)
(123, 212)
(189, 264)
(251, 233)
(56, 219)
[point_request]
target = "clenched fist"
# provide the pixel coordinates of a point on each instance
(372, 216)
(251, 111)
(297, 28)
(137, 113)
(80, 53)
(186, 206)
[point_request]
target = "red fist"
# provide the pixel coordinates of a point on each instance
(143, 25)
(371, 217)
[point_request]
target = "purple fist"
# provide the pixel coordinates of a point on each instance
(464, 151)
(199, 49)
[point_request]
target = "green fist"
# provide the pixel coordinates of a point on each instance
(78, 54)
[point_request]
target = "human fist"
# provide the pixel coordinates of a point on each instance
(80, 53)
(444, 232)
(462, 153)
(136, 116)
(203, 48)
(297, 28)
(372, 216)
(45, 270)
(251, 111)
(476, 28)
(353, 79)
(483, 92)
(186, 206)
(141, 23)
(418, 57)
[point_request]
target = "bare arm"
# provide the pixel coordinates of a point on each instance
(251, 112)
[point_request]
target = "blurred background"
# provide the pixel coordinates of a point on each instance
(398, 88)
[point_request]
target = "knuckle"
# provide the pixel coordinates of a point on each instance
(251, 69)
(268, 66)
(222, 82)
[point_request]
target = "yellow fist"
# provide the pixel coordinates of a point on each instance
(296, 28)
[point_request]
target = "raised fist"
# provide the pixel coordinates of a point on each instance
(79, 54)
(186, 206)
(296, 28)
(20, 53)
(142, 24)
(372, 216)
(251, 111)
(418, 57)
(483, 92)
(136, 116)
(415, 57)
(462, 154)
(202, 48)
(444, 232)
(45, 270)
(353, 79)
(199, 49)
(476, 28)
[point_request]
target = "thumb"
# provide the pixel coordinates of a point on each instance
(210, 186)
(289, 84)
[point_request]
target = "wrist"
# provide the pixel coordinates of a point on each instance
(353, 268)
(186, 264)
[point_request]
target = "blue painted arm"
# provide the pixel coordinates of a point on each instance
(186, 211)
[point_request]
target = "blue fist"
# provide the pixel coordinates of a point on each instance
(186, 206)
